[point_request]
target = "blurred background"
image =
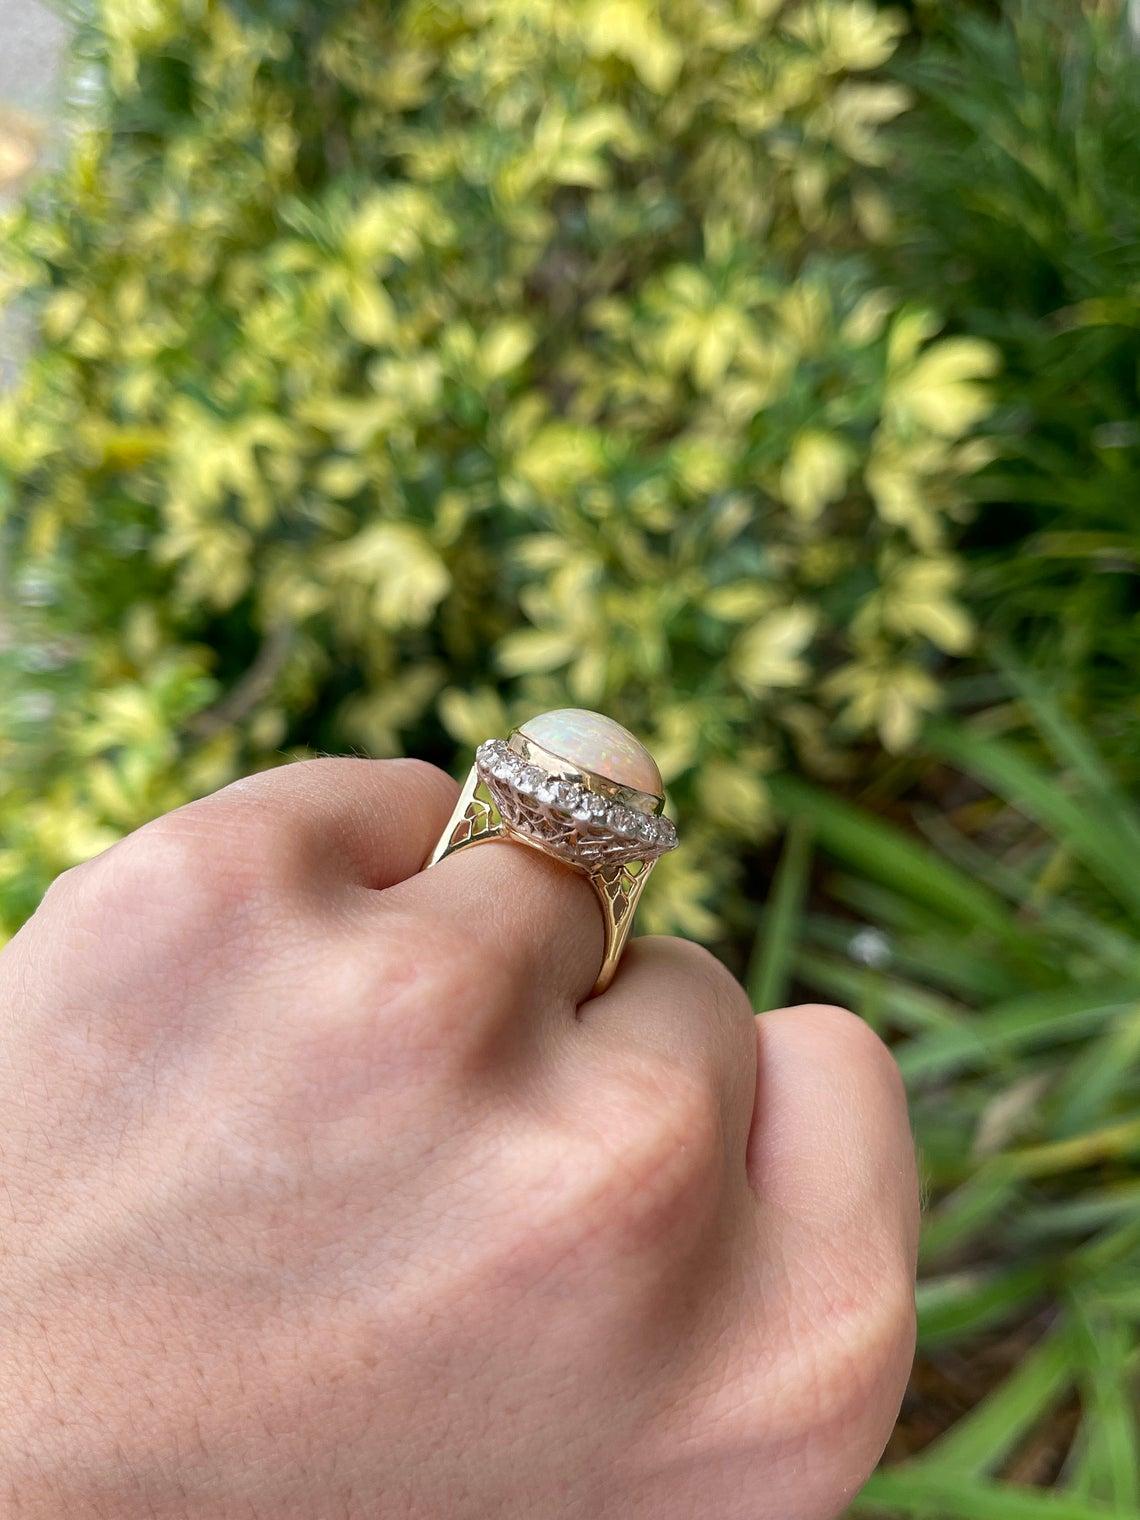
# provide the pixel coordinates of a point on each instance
(761, 372)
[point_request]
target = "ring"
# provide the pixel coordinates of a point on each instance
(580, 788)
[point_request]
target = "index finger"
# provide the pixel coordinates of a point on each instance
(368, 823)
(371, 822)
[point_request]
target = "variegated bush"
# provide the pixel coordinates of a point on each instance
(406, 368)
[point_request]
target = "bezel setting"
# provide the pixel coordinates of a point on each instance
(586, 819)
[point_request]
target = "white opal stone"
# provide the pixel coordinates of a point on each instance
(590, 741)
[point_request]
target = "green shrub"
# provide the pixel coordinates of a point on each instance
(1018, 192)
(407, 368)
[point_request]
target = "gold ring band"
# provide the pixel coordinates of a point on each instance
(580, 788)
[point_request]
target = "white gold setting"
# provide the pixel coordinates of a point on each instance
(580, 823)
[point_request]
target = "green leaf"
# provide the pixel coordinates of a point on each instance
(909, 1006)
(928, 1494)
(1102, 841)
(950, 1308)
(1033, 1020)
(1072, 748)
(1090, 1210)
(983, 1198)
(888, 855)
(1108, 1465)
(982, 1439)
(1106, 1142)
(531, 649)
(768, 975)
(919, 944)
(1091, 1083)
(1064, 919)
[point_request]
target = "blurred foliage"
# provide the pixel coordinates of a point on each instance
(1000, 955)
(404, 369)
(1018, 200)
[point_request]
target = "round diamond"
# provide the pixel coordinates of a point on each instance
(528, 780)
(505, 767)
(549, 790)
(569, 796)
(666, 833)
(623, 820)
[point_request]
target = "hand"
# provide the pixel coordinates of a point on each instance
(321, 1197)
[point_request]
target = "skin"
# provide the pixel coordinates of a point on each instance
(325, 1196)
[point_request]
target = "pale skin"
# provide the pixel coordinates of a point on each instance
(327, 1193)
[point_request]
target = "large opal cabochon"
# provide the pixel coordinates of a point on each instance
(592, 742)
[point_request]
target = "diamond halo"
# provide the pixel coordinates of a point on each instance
(580, 824)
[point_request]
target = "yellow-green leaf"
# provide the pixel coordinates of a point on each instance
(815, 473)
(770, 653)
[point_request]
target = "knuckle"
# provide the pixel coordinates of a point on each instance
(250, 848)
(410, 1012)
(675, 1108)
(872, 1335)
(429, 993)
(454, 979)
(860, 1341)
(833, 1376)
(69, 885)
(653, 1164)
(232, 849)
(136, 875)
(186, 856)
(847, 1032)
(700, 968)
(434, 783)
(200, 862)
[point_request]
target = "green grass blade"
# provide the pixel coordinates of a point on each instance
(982, 1439)
(1090, 1263)
(985, 1196)
(1119, 1141)
(770, 972)
(880, 905)
(1092, 1210)
(1120, 1295)
(920, 944)
(950, 1308)
(1108, 1466)
(1073, 749)
(919, 1493)
(1092, 835)
(888, 855)
(1035, 1020)
(905, 1005)
(1092, 1083)
(1062, 919)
